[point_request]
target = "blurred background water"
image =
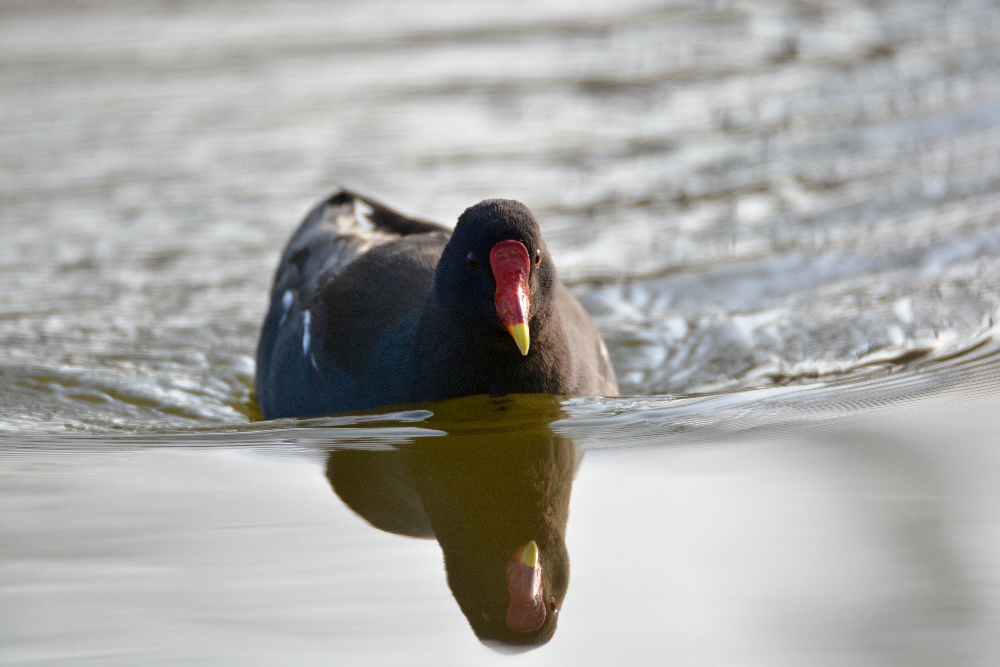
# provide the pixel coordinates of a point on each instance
(784, 217)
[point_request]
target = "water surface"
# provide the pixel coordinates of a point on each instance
(785, 219)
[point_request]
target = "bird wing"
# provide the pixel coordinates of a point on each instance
(338, 231)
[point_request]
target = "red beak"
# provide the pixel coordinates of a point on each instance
(526, 611)
(511, 270)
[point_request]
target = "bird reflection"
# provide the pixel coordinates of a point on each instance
(494, 492)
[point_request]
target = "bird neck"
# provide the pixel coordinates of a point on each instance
(485, 360)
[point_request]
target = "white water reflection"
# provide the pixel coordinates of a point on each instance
(875, 542)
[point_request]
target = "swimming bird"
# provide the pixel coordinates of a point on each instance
(370, 307)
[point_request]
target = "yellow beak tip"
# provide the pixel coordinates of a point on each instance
(521, 336)
(528, 554)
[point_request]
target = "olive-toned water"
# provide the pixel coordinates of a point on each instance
(784, 218)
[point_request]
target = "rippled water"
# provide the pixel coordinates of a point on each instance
(785, 219)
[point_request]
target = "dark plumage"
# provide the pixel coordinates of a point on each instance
(499, 479)
(372, 308)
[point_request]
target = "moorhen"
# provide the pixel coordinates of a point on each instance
(370, 308)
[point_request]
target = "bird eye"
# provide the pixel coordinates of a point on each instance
(552, 605)
(538, 257)
(472, 262)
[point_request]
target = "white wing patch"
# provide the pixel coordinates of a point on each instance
(286, 303)
(307, 316)
(355, 233)
(306, 319)
(362, 213)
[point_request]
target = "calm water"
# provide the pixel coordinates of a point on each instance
(785, 219)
